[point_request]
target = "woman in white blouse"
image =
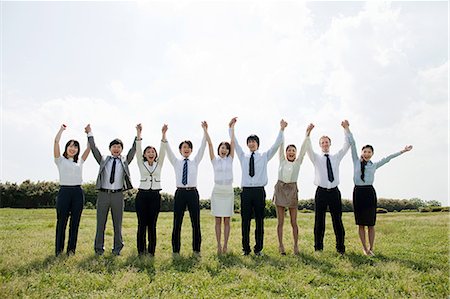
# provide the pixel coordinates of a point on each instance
(222, 197)
(70, 199)
(148, 199)
(286, 190)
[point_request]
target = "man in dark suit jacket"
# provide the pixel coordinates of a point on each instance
(113, 178)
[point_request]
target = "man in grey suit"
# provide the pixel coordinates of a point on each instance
(113, 178)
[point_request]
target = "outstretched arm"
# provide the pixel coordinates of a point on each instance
(271, 152)
(170, 154)
(345, 124)
(210, 146)
(138, 153)
(390, 157)
(94, 149)
(56, 150)
(86, 152)
(162, 147)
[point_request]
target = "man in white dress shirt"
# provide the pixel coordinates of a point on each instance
(254, 178)
(326, 168)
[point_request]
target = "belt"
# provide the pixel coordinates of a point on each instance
(326, 189)
(187, 188)
(110, 190)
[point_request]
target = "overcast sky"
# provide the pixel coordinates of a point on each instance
(381, 65)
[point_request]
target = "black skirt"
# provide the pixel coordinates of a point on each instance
(365, 205)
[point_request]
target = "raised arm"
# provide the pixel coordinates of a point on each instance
(280, 138)
(303, 149)
(345, 124)
(307, 143)
(232, 143)
(162, 147)
(138, 153)
(86, 152)
(94, 149)
(131, 152)
(201, 150)
(390, 157)
(56, 150)
(169, 152)
(210, 146)
(352, 143)
(237, 147)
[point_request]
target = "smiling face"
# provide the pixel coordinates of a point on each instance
(325, 144)
(116, 150)
(224, 149)
(367, 153)
(150, 154)
(185, 150)
(252, 145)
(291, 153)
(72, 149)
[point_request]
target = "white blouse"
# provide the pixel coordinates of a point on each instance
(223, 170)
(69, 171)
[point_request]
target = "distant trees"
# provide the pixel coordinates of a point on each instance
(43, 195)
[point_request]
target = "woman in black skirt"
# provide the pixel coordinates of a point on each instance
(364, 196)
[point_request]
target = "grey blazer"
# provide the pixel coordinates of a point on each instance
(102, 160)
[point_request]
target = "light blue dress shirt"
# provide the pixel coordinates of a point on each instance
(371, 167)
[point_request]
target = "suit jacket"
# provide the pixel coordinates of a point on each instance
(150, 180)
(102, 160)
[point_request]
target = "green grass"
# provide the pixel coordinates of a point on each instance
(412, 261)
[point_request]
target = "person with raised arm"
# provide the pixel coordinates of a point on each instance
(328, 196)
(148, 198)
(112, 180)
(286, 190)
(70, 199)
(186, 194)
(254, 178)
(222, 197)
(364, 195)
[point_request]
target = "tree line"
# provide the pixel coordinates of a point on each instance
(43, 195)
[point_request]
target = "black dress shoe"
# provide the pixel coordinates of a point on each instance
(245, 253)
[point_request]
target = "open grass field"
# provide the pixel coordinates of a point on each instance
(412, 261)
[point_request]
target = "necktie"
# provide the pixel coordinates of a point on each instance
(185, 172)
(329, 169)
(251, 166)
(113, 171)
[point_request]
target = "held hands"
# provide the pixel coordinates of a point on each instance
(205, 126)
(164, 128)
(232, 122)
(63, 127)
(407, 148)
(309, 129)
(345, 124)
(283, 124)
(138, 131)
(87, 129)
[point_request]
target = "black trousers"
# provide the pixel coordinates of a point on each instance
(148, 204)
(253, 201)
(69, 203)
(328, 198)
(190, 199)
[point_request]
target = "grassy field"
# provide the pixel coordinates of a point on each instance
(412, 261)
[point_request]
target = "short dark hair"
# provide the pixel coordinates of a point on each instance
(291, 145)
(367, 146)
(227, 144)
(254, 138)
(149, 147)
(188, 142)
(325, 136)
(116, 141)
(77, 144)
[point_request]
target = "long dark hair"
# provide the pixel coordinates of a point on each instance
(149, 147)
(227, 145)
(364, 162)
(77, 144)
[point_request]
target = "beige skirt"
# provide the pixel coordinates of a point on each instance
(286, 194)
(222, 201)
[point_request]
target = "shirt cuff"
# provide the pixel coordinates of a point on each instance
(90, 134)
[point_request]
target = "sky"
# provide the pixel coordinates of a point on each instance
(381, 65)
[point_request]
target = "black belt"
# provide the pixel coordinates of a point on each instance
(326, 189)
(110, 190)
(187, 188)
(70, 186)
(149, 190)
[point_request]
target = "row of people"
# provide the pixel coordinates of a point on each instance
(114, 178)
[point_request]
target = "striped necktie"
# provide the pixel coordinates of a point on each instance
(185, 172)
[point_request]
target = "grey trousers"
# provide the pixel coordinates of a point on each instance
(105, 201)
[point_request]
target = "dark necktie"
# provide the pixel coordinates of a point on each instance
(329, 169)
(185, 172)
(113, 171)
(251, 165)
